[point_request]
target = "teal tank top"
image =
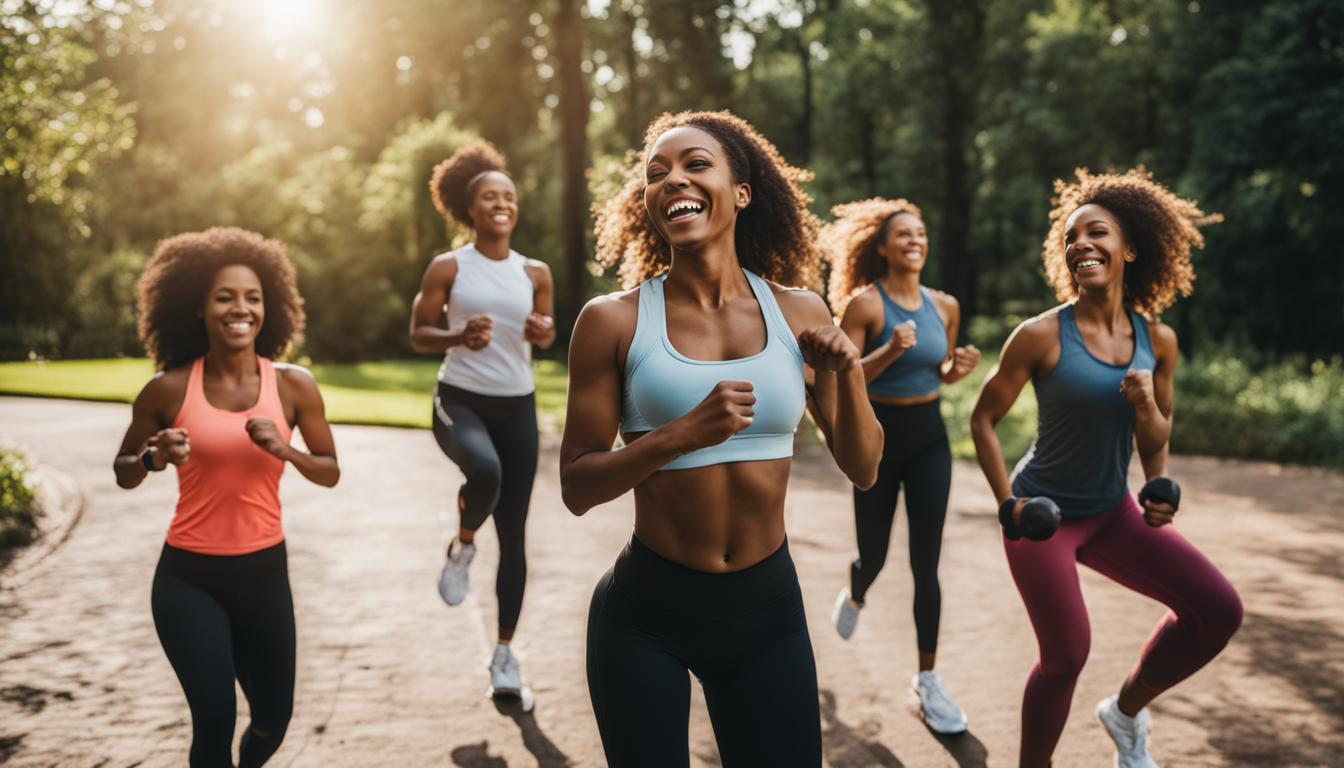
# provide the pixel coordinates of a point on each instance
(917, 371)
(1085, 427)
(661, 384)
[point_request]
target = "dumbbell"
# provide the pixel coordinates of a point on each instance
(1038, 520)
(1161, 490)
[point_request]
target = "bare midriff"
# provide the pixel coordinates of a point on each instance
(715, 519)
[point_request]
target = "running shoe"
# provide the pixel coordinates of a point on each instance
(505, 677)
(454, 581)
(846, 614)
(1130, 734)
(940, 713)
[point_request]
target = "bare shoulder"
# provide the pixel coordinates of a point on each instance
(1163, 337)
(1036, 334)
(612, 311)
(944, 300)
(165, 386)
(865, 302)
(536, 266)
(801, 307)
(294, 373)
(442, 266)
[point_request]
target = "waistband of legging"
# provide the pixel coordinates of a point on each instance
(667, 587)
(185, 562)
(475, 400)
(917, 410)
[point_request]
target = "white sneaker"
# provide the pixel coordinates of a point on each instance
(505, 677)
(846, 614)
(940, 713)
(1130, 734)
(454, 581)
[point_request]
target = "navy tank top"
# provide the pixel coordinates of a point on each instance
(918, 370)
(1084, 428)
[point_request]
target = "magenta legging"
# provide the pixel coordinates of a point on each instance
(1157, 562)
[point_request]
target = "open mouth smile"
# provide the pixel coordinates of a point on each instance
(682, 208)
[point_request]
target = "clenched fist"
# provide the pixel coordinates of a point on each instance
(827, 348)
(1137, 387)
(169, 446)
(537, 327)
(478, 331)
(903, 336)
(724, 412)
(263, 432)
(964, 360)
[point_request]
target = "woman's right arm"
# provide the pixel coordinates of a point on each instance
(146, 434)
(427, 332)
(591, 472)
(862, 322)
(1021, 355)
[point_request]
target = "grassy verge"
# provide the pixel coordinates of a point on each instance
(393, 393)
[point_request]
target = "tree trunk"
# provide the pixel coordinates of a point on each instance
(574, 140)
(957, 28)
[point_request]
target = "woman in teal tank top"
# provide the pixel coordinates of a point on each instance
(1102, 366)
(878, 249)
(701, 367)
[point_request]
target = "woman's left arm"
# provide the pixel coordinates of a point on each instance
(854, 436)
(539, 328)
(960, 361)
(299, 388)
(1151, 393)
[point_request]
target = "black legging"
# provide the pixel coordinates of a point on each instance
(222, 617)
(493, 440)
(743, 634)
(916, 454)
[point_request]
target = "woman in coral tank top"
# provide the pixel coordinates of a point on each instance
(215, 307)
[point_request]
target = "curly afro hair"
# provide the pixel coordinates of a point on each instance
(173, 288)
(454, 179)
(776, 236)
(850, 244)
(1161, 226)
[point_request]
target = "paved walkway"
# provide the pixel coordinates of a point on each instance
(389, 676)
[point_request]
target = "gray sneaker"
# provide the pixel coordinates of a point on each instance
(845, 615)
(505, 677)
(454, 581)
(940, 713)
(1130, 734)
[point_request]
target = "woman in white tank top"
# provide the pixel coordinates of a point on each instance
(497, 304)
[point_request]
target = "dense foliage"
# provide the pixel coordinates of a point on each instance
(18, 502)
(317, 122)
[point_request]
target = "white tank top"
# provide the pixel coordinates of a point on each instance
(503, 290)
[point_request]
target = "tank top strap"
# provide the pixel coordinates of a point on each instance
(650, 322)
(195, 396)
(1069, 335)
(269, 403)
(775, 322)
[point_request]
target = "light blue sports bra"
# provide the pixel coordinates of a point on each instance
(661, 384)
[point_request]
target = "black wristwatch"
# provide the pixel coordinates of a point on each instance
(147, 458)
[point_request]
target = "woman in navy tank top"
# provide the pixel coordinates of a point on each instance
(1118, 253)
(702, 366)
(497, 306)
(908, 335)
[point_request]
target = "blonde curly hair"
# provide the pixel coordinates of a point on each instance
(776, 236)
(850, 244)
(1160, 225)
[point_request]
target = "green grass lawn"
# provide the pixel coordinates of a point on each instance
(396, 393)
(391, 393)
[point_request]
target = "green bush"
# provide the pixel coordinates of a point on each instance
(18, 502)
(1288, 412)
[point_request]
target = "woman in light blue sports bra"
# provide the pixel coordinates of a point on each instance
(1103, 368)
(703, 370)
(908, 333)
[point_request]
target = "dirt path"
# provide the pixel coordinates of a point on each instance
(389, 676)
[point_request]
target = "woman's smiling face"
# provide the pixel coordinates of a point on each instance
(690, 193)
